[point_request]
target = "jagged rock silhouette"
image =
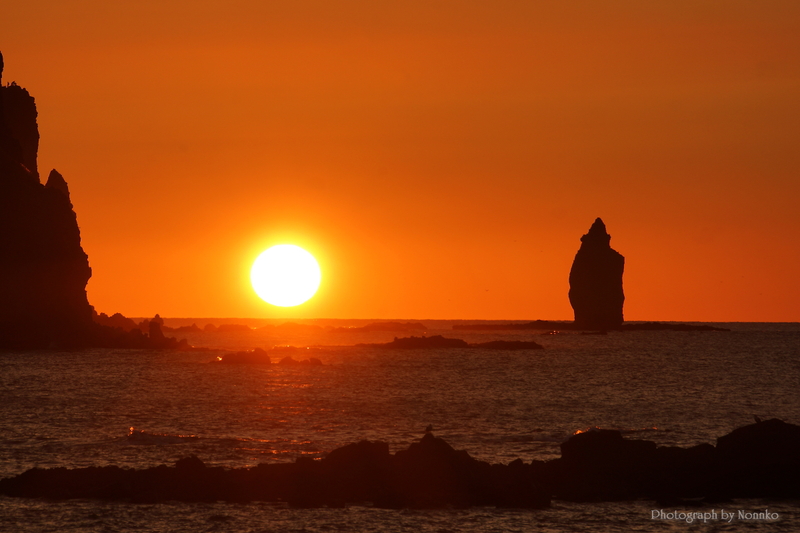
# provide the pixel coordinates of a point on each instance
(43, 267)
(755, 461)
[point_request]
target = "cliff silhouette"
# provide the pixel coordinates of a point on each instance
(595, 281)
(43, 267)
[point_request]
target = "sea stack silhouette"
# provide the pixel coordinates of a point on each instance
(43, 268)
(595, 281)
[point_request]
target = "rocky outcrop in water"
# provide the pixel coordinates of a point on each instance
(384, 326)
(595, 281)
(557, 325)
(438, 342)
(259, 356)
(416, 343)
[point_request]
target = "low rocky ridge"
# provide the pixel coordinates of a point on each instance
(761, 460)
(557, 325)
(260, 356)
(438, 341)
(284, 354)
(384, 326)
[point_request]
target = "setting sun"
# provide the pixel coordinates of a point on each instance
(285, 275)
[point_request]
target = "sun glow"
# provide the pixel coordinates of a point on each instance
(285, 275)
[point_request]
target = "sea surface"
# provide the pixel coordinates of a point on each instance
(75, 408)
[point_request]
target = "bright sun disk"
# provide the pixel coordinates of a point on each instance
(285, 275)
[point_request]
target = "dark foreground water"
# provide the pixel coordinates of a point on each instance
(677, 388)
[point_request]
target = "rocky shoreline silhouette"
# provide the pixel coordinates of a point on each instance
(761, 460)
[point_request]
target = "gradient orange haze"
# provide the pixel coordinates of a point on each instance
(440, 159)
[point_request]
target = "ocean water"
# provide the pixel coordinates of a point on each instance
(74, 409)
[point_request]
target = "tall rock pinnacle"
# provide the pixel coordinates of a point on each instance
(595, 281)
(43, 268)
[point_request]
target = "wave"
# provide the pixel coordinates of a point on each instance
(140, 436)
(624, 431)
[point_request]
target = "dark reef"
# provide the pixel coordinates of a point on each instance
(595, 281)
(384, 326)
(761, 460)
(437, 341)
(259, 356)
(557, 325)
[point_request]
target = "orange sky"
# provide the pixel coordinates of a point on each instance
(440, 159)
